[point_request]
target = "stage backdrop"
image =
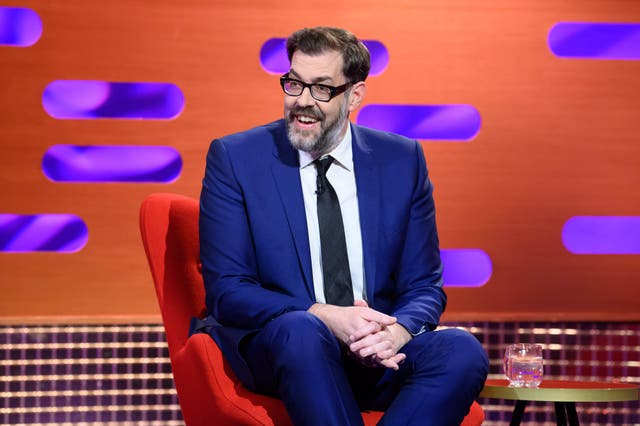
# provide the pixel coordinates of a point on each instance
(528, 113)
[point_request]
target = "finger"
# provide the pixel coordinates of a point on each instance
(378, 349)
(390, 363)
(368, 341)
(377, 334)
(394, 362)
(384, 350)
(399, 358)
(366, 330)
(380, 335)
(379, 317)
(373, 315)
(368, 361)
(385, 354)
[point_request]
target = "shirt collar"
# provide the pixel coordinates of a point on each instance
(342, 154)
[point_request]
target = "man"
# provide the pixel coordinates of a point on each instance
(321, 260)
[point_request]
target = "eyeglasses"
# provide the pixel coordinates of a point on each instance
(319, 92)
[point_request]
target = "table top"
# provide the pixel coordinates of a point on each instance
(563, 391)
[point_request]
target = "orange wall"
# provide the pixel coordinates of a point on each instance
(559, 138)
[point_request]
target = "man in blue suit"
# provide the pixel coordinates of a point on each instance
(321, 260)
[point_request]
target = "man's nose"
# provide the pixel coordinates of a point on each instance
(305, 98)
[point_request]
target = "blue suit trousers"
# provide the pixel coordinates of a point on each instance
(296, 358)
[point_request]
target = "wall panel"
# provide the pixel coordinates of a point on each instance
(559, 138)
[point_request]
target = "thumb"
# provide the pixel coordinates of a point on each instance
(360, 303)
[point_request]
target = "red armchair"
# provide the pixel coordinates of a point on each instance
(208, 391)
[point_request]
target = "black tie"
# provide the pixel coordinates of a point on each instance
(335, 262)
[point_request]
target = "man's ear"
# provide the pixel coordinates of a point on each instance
(357, 95)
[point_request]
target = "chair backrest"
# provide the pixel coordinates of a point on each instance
(169, 228)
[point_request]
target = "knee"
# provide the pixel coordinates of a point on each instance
(467, 356)
(453, 352)
(298, 335)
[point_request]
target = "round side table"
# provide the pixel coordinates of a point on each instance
(563, 393)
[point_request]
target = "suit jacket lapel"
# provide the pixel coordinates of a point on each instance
(368, 186)
(286, 173)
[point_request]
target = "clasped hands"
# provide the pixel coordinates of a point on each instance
(372, 337)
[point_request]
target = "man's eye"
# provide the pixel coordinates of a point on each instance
(322, 90)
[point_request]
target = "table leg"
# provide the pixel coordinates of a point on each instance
(572, 414)
(518, 412)
(561, 417)
(566, 411)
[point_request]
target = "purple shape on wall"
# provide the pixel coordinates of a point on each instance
(62, 233)
(273, 56)
(595, 40)
(466, 267)
(274, 59)
(602, 235)
(87, 99)
(72, 163)
(19, 26)
(427, 122)
(379, 56)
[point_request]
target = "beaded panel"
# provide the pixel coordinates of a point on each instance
(121, 375)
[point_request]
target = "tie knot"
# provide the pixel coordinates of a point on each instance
(323, 164)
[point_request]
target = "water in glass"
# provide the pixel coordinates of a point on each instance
(523, 365)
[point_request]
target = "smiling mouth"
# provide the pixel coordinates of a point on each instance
(305, 120)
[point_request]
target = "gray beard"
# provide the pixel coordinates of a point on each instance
(325, 141)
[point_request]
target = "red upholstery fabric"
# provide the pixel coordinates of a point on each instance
(208, 391)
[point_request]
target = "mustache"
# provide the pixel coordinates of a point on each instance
(308, 111)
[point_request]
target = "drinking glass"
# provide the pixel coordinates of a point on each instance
(523, 365)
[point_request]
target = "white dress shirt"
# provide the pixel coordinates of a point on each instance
(342, 178)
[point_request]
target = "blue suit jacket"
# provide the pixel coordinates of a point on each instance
(254, 243)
